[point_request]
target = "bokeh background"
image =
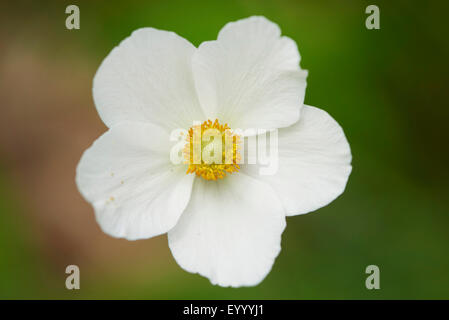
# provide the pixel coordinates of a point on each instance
(387, 88)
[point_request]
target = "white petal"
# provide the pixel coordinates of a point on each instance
(230, 231)
(250, 77)
(128, 178)
(314, 163)
(148, 77)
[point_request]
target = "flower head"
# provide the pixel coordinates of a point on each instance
(224, 219)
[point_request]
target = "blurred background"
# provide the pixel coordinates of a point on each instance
(387, 88)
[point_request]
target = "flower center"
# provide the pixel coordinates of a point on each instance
(212, 150)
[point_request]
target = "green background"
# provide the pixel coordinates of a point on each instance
(387, 89)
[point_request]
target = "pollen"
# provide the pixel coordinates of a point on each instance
(212, 150)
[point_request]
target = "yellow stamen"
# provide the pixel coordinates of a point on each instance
(196, 147)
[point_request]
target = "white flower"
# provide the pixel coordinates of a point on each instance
(228, 230)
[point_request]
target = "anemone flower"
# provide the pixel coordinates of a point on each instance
(223, 220)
